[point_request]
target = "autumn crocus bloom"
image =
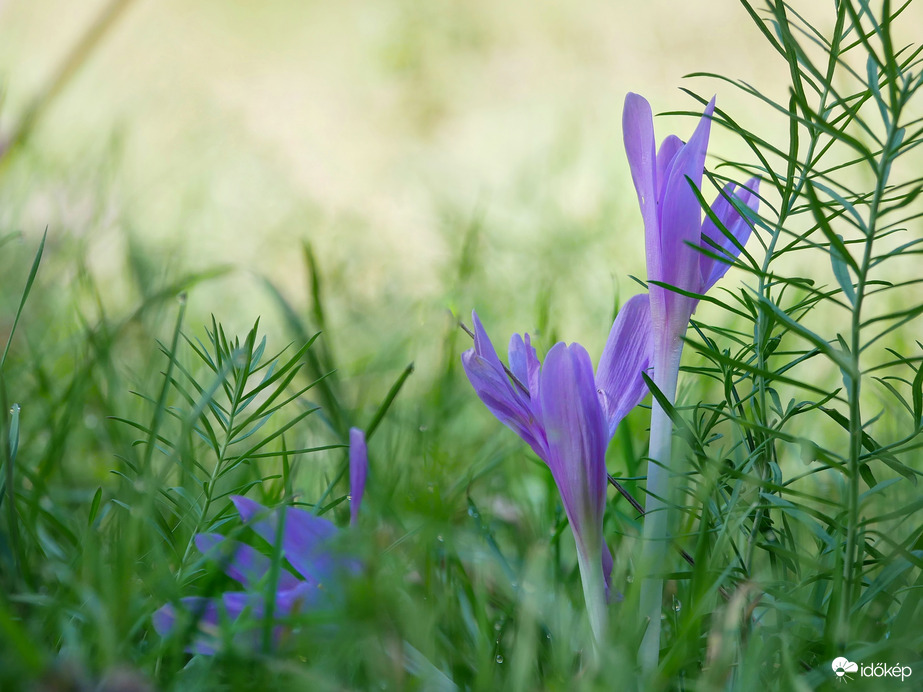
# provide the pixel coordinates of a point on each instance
(567, 416)
(681, 253)
(306, 545)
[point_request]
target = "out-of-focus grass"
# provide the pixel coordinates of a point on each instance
(365, 126)
(380, 131)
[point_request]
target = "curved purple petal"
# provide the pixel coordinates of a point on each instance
(681, 213)
(641, 148)
(483, 345)
(241, 562)
(248, 509)
(358, 470)
(235, 603)
(640, 145)
(523, 361)
(493, 389)
(505, 400)
(164, 619)
(736, 224)
(666, 155)
(532, 372)
(204, 611)
(303, 598)
(577, 437)
(626, 355)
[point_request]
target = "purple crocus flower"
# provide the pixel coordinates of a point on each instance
(674, 235)
(567, 416)
(306, 545)
(673, 226)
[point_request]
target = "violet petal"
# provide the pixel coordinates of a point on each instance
(358, 471)
(519, 360)
(304, 597)
(577, 437)
(505, 400)
(626, 355)
(241, 562)
(666, 155)
(204, 611)
(680, 222)
(681, 213)
(739, 227)
(640, 146)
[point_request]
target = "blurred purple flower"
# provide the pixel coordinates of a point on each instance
(307, 545)
(666, 181)
(567, 416)
(358, 469)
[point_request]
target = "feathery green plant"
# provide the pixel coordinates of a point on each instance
(803, 489)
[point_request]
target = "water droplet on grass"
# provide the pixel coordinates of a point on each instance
(499, 658)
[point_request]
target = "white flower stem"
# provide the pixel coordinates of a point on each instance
(594, 590)
(654, 549)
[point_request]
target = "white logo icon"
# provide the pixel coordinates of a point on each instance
(841, 666)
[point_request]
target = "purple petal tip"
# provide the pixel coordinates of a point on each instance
(246, 507)
(358, 471)
(164, 618)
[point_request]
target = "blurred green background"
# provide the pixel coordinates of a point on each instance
(226, 132)
(214, 132)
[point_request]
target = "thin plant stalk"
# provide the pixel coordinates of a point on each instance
(656, 524)
(892, 142)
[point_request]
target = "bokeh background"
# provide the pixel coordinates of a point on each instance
(210, 132)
